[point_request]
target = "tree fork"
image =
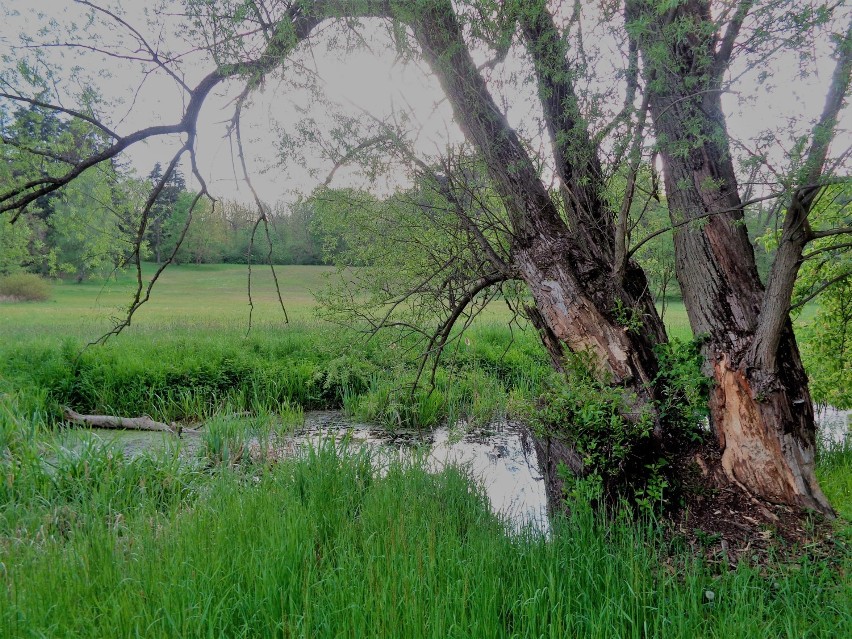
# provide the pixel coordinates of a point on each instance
(761, 413)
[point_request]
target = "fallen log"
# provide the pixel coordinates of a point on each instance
(127, 423)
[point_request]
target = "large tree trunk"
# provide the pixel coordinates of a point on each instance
(567, 271)
(761, 411)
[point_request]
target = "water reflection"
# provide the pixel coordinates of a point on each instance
(497, 455)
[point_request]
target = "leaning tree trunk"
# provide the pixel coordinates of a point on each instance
(567, 271)
(761, 412)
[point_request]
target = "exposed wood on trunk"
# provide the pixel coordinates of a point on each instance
(761, 412)
(126, 423)
(760, 450)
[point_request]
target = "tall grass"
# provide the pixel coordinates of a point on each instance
(231, 542)
(189, 375)
(834, 472)
(341, 544)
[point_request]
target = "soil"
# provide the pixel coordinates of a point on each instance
(727, 525)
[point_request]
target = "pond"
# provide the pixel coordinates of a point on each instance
(497, 455)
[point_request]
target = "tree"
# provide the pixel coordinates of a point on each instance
(570, 246)
(91, 229)
(85, 229)
(206, 238)
(14, 247)
(164, 209)
(761, 409)
(827, 340)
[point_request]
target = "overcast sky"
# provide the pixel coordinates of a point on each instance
(374, 81)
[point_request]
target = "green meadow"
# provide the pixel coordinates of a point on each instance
(336, 542)
(196, 295)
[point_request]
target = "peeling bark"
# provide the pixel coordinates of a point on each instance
(760, 449)
(761, 410)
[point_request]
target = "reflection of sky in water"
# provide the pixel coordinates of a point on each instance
(508, 472)
(496, 457)
(833, 425)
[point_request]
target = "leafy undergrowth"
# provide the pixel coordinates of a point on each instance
(341, 544)
(181, 374)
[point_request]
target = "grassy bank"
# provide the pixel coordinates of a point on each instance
(337, 543)
(328, 546)
(189, 354)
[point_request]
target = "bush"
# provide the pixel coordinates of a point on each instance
(612, 431)
(24, 287)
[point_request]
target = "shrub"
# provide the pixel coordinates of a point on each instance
(24, 287)
(612, 431)
(602, 424)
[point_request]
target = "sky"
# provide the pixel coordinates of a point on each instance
(370, 80)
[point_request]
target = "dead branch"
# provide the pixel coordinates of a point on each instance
(126, 423)
(261, 211)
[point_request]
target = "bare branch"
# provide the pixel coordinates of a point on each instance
(60, 109)
(439, 338)
(260, 209)
(155, 56)
(650, 237)
(619, 262)
(353, 152)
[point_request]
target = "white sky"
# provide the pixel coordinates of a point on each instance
(354, 81)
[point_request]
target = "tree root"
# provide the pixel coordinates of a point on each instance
(127, 423)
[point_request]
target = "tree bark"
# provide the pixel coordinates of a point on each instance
(568, 271)
(761, 410)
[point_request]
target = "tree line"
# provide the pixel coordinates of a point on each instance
(88, 230)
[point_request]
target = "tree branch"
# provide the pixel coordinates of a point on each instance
(796, 231)
(821, 288)
(726, 47)
(826, 249)
(60, 109)
(829, 232)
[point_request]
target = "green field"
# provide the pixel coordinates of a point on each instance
(189, 295)
(213, 295)
(338, 543)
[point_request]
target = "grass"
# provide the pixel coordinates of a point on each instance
(834, 472)
(188, 354)
(196, 297)
(341, 544)
(335, 543)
